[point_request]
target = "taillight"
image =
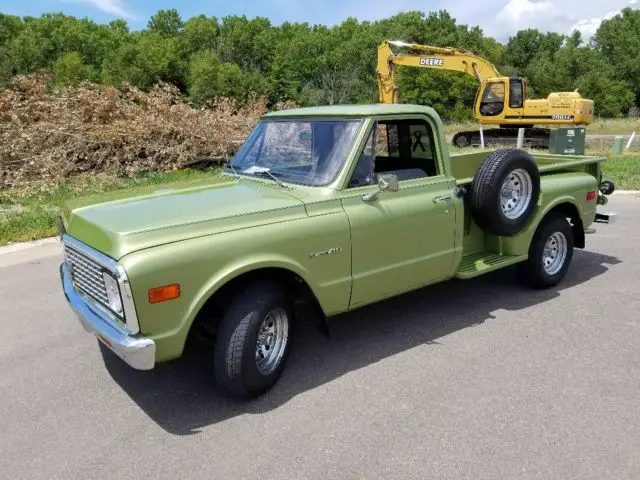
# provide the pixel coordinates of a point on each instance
(591, 196)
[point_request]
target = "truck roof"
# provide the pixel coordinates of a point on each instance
(354, 111)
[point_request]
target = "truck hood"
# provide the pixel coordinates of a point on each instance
(120, 223)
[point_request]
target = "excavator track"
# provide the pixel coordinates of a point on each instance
(533, 137)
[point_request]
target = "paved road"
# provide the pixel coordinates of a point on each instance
(481, 379)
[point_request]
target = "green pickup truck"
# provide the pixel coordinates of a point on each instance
(323, 210)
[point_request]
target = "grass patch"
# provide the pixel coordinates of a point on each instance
(623, 171)
(31, 216)
(614, 126)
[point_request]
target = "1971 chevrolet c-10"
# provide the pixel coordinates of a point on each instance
(329, 207)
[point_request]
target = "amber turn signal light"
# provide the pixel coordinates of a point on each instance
(162, 294)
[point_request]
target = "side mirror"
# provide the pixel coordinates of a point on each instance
(607, 187)
(387, 183)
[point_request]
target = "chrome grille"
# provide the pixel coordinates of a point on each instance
(86, 274)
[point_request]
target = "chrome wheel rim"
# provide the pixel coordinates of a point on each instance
(516, 193)
(554, 253)
(272, 340)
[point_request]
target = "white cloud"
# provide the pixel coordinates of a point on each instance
(503, 19)
(498, 18)
(589, 26)
(520, 12)
(115, 7)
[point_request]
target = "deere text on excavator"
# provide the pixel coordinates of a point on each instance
(499, 101)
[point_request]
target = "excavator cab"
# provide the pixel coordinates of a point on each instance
(500, 97)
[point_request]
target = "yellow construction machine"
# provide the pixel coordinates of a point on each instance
(499, 101)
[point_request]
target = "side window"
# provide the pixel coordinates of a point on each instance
(516, 97)
(492, 99)
(403, 148)
(420, 141)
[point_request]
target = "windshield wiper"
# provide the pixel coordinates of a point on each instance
(255, 170)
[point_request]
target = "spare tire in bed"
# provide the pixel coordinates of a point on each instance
(505, 191)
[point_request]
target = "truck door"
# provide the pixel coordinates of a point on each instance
(405, 239)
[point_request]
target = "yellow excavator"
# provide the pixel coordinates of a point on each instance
(499, 101)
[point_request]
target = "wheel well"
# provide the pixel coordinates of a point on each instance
(570, 211)
(210, 313)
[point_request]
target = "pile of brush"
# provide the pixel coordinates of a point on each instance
(48, 135)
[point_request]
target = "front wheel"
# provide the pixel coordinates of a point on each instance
(550, 254)
(254, 340)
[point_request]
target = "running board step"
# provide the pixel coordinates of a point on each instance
(484, 262)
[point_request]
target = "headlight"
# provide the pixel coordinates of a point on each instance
(113, 293)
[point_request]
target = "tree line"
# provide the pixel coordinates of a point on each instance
(241, 58)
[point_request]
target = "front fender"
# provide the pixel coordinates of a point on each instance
(241, 266)
(203, 265)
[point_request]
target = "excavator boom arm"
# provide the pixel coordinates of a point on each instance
(433, 57)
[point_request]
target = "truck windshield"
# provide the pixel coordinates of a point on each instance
(309, 152)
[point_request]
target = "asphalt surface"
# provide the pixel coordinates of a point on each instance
(481, 379)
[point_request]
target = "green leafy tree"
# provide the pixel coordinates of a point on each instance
(166, 23)
(203, 79)
(242, 58)
(28, 52)
(526, 45)
(612, 98)
(619, 41)
(210, 78)
(282, 83)
(247, 43)
(148, 59)
(199, 33)
(70, 70)
(10, 26)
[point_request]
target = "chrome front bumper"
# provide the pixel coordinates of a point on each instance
(138, 352)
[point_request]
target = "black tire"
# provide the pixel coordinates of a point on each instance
(235, 364)
(532, 272)
(460, 140)
(487, 191)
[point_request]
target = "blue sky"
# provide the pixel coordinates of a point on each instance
(499, 18)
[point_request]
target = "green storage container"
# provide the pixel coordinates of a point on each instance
(618, 144)
(568, 141)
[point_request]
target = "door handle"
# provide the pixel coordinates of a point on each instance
(442, 198)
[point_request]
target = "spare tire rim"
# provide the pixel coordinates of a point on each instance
(554, 253)
(272, 340)
(516, 193)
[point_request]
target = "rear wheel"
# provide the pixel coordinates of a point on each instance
(254, 340)
(550, 253)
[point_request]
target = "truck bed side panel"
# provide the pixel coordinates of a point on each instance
(556, 189)
(464, 166)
